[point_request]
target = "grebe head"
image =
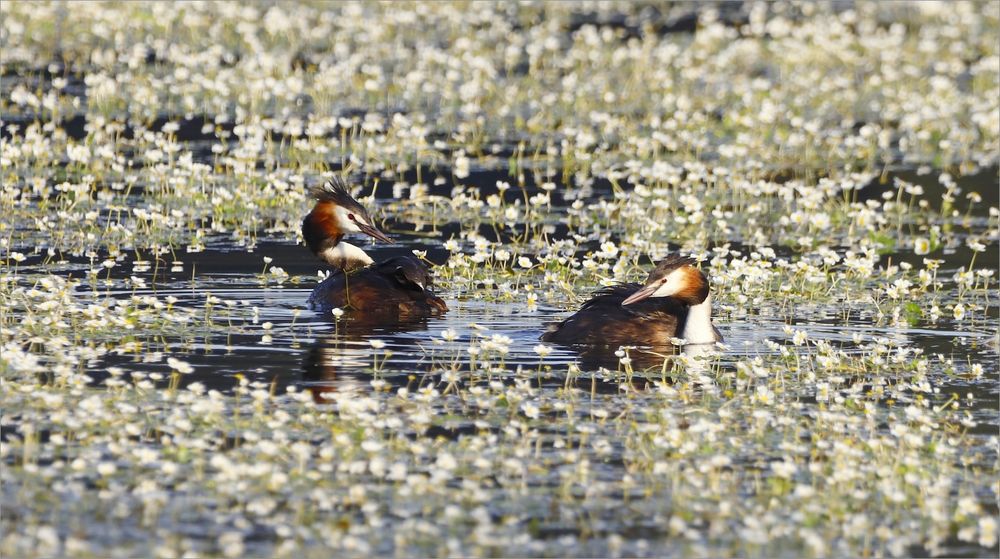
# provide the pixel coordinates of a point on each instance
(340, 212)
(675, 277)
(408, 273)
(335, 214)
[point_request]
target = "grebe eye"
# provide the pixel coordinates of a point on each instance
(351, 217)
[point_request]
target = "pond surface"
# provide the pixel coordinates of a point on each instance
(167, 392)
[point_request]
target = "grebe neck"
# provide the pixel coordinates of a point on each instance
(344, 256)
(698, 328)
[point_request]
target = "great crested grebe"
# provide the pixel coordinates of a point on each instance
(673, 303)
(396, 287)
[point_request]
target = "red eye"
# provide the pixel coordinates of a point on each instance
(351, 217)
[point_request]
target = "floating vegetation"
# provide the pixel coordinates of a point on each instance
(833, 169)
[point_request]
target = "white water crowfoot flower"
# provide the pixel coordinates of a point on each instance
(799, 337)
(959, 311)
(988, 531)
(531, 411)
(975, 245)
(180, 366)
(531, 301)
(543, 350)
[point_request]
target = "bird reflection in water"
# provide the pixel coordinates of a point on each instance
(653, 363)
(341, 361)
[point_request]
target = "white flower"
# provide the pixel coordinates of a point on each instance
(179, 366)
(959, 311)
(231, 544)
(377, 344)
(800, 337)
(337, 313)
(461, 168)
(784, 469)
(524, 262)
(921, 246)
(530, 410)
(446, 461)
(543, 350)
(987, 531)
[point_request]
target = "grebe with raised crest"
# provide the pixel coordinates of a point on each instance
(398, 287)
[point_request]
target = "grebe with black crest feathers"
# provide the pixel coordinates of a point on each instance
(393, 288)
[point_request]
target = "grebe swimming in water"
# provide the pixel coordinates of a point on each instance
(673, 303)
(394, 288)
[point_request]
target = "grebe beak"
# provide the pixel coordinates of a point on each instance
(373, 232)
(643, 293)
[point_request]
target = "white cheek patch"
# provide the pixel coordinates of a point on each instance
(675, 283)
(346, 223)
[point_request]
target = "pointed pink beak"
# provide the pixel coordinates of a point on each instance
(643, 293)
(374, 232)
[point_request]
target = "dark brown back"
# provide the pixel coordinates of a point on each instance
(604, 321)
(390, 289)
